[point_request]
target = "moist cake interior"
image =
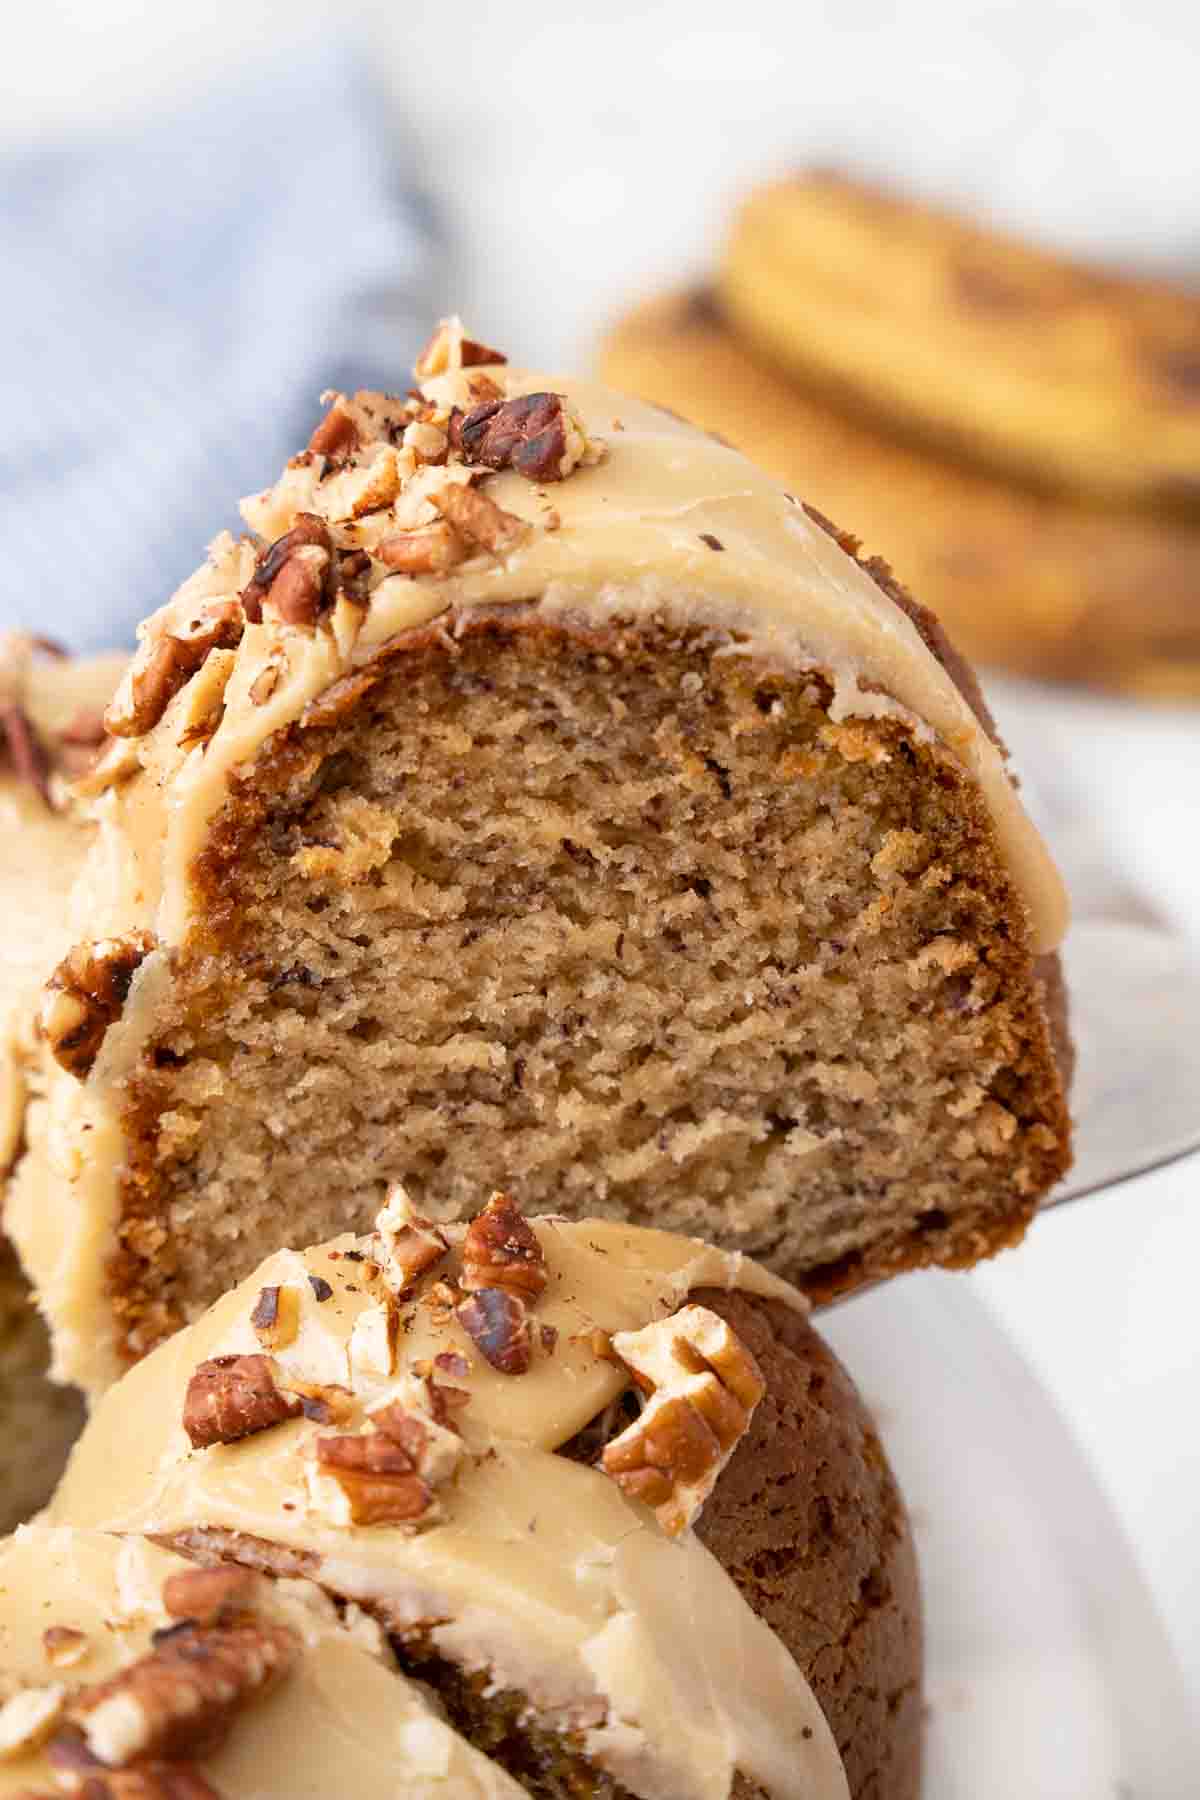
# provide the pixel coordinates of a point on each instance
(614, 917)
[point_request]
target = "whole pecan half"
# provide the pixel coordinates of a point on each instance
(85, 995)
(296, 572)
(528, 434)
(232, 1397)
(502, 1250)
(181, 1699)
(497, 1323)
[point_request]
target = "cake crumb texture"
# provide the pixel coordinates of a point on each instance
(612, 917)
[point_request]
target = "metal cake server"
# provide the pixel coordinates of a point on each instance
(1133, 977)
(1135, 1015)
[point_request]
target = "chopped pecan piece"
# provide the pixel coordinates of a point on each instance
(374, 1338)
(64, 1645)
(377, 1479)
(483, 388)
(533, 434)
(705, 1386)
(352, 574)
(337, 434)
(479, 520)
(425, 550)
(166, 662)
(28, 1716)
(387, 1475)
(427, 442)
(501, 1250)
(449, 349)
(295, 573)
(276, 1317)
(181, 1699)
(211, 1596)
(232, 1397)
(497, 1323)
(325, 1403)
(264, 683)
(85, 995)
(411, 1244)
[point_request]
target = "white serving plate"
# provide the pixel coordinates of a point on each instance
(1049, 1676)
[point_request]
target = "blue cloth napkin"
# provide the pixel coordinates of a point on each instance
(173, 302)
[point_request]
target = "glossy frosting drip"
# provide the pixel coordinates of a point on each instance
(532, 1565)
(668, 525)
(344, 1721)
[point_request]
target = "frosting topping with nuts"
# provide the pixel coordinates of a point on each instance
(435, 1496)
(311, 1704)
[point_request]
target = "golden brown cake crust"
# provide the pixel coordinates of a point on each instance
(809, 1521)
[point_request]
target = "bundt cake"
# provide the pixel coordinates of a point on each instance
(540, 797)
(50, 713)
(604, 1489)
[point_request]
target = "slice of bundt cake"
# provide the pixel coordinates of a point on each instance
(541, 796)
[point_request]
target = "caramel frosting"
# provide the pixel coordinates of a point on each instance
(46, 843)
(343, 1721)
(641, 518)
(531, 1565)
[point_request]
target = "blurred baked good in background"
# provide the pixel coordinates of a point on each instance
(1019, 435)
(1013, 355)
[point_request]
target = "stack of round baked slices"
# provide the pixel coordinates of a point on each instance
(1017, 431)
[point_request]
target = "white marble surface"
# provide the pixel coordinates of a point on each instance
(581, 151)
